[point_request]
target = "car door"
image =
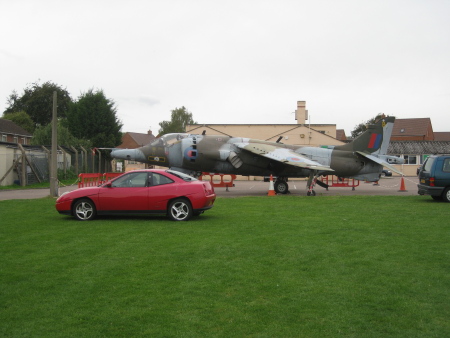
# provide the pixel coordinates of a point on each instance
(161, 189)
(126, 193)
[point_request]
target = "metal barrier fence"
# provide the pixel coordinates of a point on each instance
(93, 180)
(218, 180)
(25, 164)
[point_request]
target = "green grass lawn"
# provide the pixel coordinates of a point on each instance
(284, 266)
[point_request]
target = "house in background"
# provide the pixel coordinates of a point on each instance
(414, 140)
(132, 141)
(136, 140)
(419, 129)
(12, 133)
(300, 133)
(340, 135)
(442, 135)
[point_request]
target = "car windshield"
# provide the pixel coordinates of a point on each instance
(181, 175)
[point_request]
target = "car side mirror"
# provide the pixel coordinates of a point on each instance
(108, 185)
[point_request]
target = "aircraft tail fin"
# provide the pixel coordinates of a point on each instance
(375, 140)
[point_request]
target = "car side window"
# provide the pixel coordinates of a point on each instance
(446, 167)
(132, 180)
(428, 164)
(158, 179)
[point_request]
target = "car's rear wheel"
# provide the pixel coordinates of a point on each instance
(84, 210)
(180, 209)
(446, 195)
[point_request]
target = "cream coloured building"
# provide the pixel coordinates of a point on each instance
(300, 133)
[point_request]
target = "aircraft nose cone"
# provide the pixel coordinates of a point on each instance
(128, 154)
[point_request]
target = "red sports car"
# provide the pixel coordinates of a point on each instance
(150, 191)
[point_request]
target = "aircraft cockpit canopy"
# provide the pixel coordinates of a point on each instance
(170, 139)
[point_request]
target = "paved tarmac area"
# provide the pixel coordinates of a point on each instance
(386, 186)
(23, 194)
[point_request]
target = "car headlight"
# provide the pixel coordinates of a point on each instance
(60, 196)
(64, 193)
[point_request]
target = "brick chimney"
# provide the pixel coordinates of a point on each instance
(301, 114)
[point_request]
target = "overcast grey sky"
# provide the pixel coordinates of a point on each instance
(233, 61)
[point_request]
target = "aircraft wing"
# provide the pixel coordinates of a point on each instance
(283, 155)
(379, 161)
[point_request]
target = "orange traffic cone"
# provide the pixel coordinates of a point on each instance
(402, 185)
(271, 188)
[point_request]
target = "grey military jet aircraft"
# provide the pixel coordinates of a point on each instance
(362, 159)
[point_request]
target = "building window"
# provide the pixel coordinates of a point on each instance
(410, 159)
(16, 139)
(24, 140)
(4, 138)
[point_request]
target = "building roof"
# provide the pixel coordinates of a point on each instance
(419, 147)
(135, 140)
(9, 127)
(442, 135)
(142, 139)
(340, 135)
(411, 127)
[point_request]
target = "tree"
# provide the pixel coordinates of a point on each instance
(180, 119)
(362, 127)
(37, 102)
(21, 119)
(93, 117)
(43, 136)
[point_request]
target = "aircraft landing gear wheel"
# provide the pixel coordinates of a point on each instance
(281, 187)
(311, 193)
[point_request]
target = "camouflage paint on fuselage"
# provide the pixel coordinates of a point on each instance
(363, 158)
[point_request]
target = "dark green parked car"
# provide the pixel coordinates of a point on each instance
(434, 178)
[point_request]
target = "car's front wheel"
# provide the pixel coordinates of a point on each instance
(84, 210)
(180, 209)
